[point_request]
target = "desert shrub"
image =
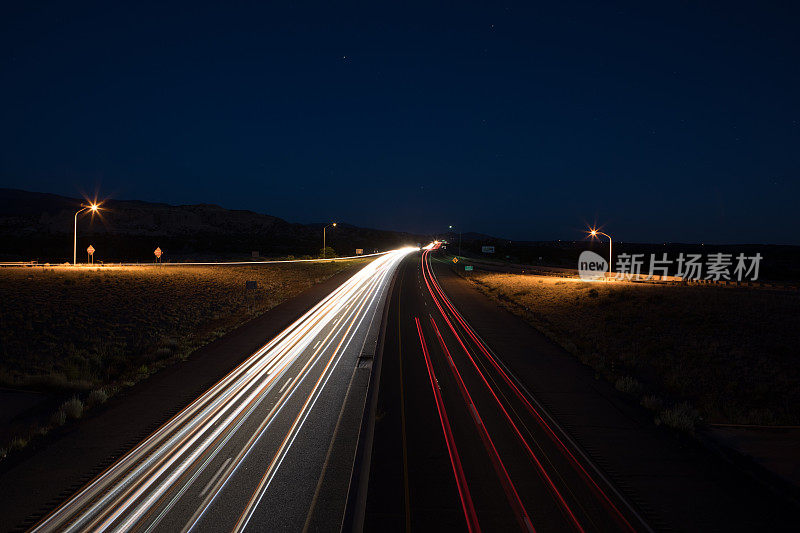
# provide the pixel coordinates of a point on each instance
(73, 407)
(628, 385)
(59, 418)
(97, 397)
(759, 417)
(163, 352)
(652, 402)
(17, 443)
(681, 417)
(171, 343)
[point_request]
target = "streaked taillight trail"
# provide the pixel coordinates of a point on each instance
(465, 336)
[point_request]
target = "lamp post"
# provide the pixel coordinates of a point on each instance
(324, 246)
(594, 233)
(93, 208)
(459, 240)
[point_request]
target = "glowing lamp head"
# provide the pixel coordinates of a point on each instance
(334, 224)
(94, 207)
(593, 233)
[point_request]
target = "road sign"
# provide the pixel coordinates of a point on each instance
(359, 251)
(90, 250)
(455, 260)
(487, 249)
(157, 253)
(468, 268)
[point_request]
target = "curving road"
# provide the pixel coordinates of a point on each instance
(248, 454)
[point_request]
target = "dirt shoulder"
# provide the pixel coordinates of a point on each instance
(39, 477)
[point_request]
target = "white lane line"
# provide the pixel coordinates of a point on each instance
(215, 477)
(285, 385)
(315, 346)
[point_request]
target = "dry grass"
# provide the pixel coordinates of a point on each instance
(74, 330)
(731, 353)
(73, 407)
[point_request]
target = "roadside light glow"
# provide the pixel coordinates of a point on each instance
(334, 224)
(93, 207)
(594, 232)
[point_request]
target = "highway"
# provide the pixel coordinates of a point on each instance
(247, 454)
(461, 444)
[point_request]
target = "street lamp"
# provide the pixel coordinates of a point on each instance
(91, 207)
(594, 233)
(324, 247)
(459, 240)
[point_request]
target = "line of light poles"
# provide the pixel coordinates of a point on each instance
(91, 207)
(324, 246)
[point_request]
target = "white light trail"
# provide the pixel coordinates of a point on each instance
(142, 487)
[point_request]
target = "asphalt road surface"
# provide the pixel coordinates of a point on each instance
(249, 453)
(475, 450)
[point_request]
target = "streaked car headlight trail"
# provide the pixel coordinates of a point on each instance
(194, 461)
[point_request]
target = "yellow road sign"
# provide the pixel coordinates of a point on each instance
(455, 260)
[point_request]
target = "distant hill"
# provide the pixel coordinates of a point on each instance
(39, 226)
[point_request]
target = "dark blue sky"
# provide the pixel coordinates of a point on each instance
(665, 121)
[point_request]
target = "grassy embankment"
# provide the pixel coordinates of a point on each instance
(689, 353)
(84, 333)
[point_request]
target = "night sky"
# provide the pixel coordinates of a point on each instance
(664, 121)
